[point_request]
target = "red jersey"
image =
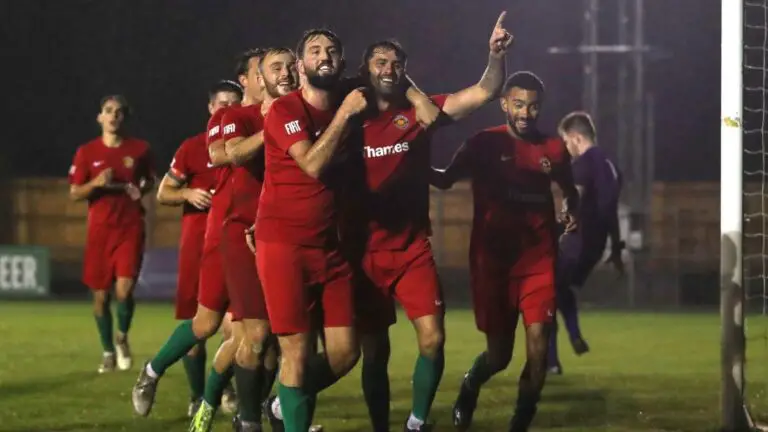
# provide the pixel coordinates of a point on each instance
(246, 180)
(396, 150)
(514, 211)
(294, 208)
(131, 162)
(192, 166)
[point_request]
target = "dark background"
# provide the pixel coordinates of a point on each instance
(61, 56)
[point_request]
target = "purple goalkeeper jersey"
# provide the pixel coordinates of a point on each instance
(597, 175)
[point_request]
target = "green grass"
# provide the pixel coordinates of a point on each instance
(646, 372)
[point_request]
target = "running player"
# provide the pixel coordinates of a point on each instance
(112, 173)
(513, 242)
(296, 237)
(392, 216)
(189, 183)
(213, 298)
(599, 184)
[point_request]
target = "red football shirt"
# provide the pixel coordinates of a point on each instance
(192, 166)
(246, 180)
(514, 212)
(294, 207)
(396, 150)
(131, 162)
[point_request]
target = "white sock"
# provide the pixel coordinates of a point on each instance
(414, 423)
(276, 409)
(108, 354)
(152, 374)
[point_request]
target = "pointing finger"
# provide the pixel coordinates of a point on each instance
(500, 21)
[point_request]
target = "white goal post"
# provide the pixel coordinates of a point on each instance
(734, 414)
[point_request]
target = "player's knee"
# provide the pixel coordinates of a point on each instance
(226, 326)
(100, 302)
(123, 288)
(431, 342)
(204, 325)
(375, 348)
(194, 351)
(247, 354)
(537, 341)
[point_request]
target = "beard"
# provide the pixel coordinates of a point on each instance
(274, 89)
(522, 130)
(323, 82)
(387, 91)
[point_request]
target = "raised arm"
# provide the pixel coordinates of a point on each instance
(458, 169)
(464, 102)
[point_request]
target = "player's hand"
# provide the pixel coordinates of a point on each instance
(104, 178)
(568, 220)
(501, 39)
(200, 198)
(355, 102)
(133, 191)
(249, 238)
(615, 260)
(426, 112)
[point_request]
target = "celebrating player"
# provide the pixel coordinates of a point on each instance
(599, 185)
(296, 236)
(189, 183)
(392, 219)
(512, 247)
(112, 173)
(213, 298)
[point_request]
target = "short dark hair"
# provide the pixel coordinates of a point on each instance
(314, 33)
(386, 44)
(225, 86)
(525, 80)
(119, 99)
(241, 67)
(274, 51)
(579, 122)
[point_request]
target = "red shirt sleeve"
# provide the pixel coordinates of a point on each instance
(214, 127)
(439, 100)
(286, 125)
(78, 171)
(234, 124)
(179, 169)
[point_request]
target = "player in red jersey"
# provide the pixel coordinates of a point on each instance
(213, 298)
(392, 224)
(513, 243)
(296, 238)
(112, 173)
(189, 183)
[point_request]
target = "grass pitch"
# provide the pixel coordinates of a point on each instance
(646, 372)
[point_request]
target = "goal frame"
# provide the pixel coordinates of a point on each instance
(734, 415)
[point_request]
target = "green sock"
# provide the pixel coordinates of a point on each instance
(125, 310)
(214, 386)
(318, 375)
(426, 379)
(194, 366)
(296, 406)
(178, 345)
(376, 392)
(104, 325)
(249, 385)
(480, 372)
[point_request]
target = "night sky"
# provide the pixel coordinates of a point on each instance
(61, 56)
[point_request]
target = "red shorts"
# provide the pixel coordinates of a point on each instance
(190, 257)
(112, 252)
(243, 285)
(408, 276)
(212, 292)
(499, 296)
(297, 279)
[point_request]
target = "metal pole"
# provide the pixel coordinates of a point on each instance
(622, 141)
(637, 112)
(590, 72)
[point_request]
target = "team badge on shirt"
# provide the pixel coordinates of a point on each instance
(400, 121)
(128, 161)
(546, 165)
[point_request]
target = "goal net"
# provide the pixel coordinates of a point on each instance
(744, 214)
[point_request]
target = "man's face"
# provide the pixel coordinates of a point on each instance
(279, 74)
(571, 142)
(321, 62)
(386, 71)
(222, 99)
(522, 108)
(250, 81)
(111, 116)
